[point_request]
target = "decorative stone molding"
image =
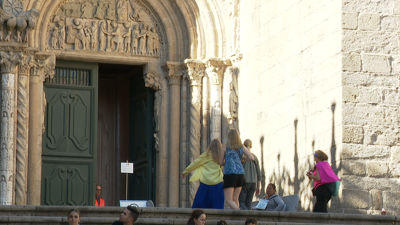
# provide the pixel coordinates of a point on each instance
(233, 9)
(215, 70)
(195, 75)
(15, 19)
(235, 59)
(175, 72)
(9, 61)
(42, 66)
(152, 80)
(22, 128)
(7, 139)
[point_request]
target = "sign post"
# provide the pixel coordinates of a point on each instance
(126, 168)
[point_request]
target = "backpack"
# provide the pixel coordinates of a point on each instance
(334, 187)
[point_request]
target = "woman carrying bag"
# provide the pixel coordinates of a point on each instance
(323, 177)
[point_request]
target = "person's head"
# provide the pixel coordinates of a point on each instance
(215, 149)
(222, 222)
(271, 189)
(250, 221)
(74, 217)
(98, 190)
(129, 215)
(198, 217)
(320, 156)
(248, 144)
(234, 141)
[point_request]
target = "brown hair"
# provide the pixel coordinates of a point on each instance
(321, 155)
(248, 143)
(134, 212)
(215, 149)
(251, 220)
(195, 215)
(234, 141)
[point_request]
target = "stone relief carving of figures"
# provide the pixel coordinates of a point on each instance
(110, 11)
(103, 33)
(116, 40)
(23, 21)
(142, 40)
(54, 37)
(127, 37)
(61, 35)
(87, 10)
(233, 95)
(88, 34)
(122, 11)
(134, 15)
(135, 39)
(93, 38)
(150, 42)
(216, 120)
(80, 37)
(233, 10)
(100, 10)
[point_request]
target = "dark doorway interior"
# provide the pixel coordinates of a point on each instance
(125, 132)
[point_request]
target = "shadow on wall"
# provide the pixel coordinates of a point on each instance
(299, 183)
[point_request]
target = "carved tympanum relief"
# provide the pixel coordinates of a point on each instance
(15, 23)
(105, 25)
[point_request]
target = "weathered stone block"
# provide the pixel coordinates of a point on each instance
(350, 167)
(396, 8)
(381, 135)
(390, 97)
(350, 94)
(349, 21)
(369, 183)
(356, 199)
(351, 151)
(370, 95)
(395, 154)
(376, 43)
(377, 169)
(367, 21)
(351, 62)
(391, 199)
(396, 64)
(353, 134)
(376, 63)
(376, 199)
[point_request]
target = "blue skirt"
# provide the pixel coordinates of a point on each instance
(209, 197)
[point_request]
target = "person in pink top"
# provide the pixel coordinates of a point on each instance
(322, 175)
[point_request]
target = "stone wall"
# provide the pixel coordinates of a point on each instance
(290, 88)
(371, 156)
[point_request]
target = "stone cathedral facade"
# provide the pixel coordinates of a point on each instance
(293, 76)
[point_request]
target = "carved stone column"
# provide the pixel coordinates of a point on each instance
(215, 70)
(196, 73)
(175, 73)
(42, 68)
(8, 62)
(23, 128)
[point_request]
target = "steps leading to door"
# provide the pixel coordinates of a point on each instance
(57, 215)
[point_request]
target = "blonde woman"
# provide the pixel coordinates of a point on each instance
(210, 193)
(232, 153)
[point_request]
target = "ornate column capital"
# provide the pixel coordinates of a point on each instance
(27, 62)
(215, 70)
(175, 72)
(9, 61)
(152, 80)
(44, 65)
(195, 71)
(235, 59)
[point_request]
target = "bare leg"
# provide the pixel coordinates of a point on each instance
(229, 192)
(236, 194)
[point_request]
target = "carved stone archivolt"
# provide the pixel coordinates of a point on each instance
(106, 25)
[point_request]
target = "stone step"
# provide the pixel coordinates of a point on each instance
(57, 215)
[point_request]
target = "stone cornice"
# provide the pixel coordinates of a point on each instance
(195, 71)
(215, 70)
(9, 61)
(175, 72)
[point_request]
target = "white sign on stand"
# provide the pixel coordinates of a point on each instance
(126, 168)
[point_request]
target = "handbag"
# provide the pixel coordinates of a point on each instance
(334, 187)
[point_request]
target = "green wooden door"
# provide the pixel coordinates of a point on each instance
(141, 141)
(69, 141)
